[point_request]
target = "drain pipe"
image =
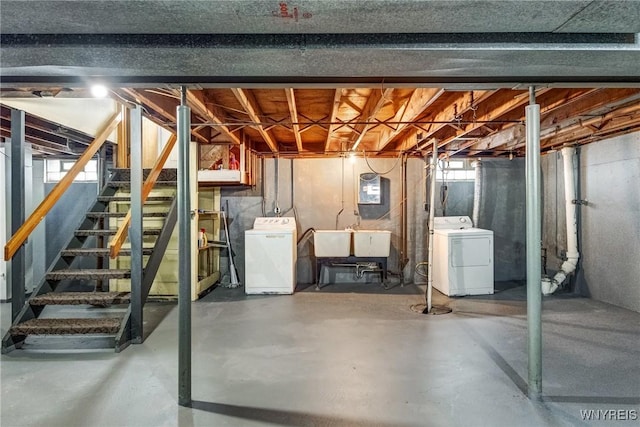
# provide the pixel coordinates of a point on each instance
(477, 192)
(550, 285)
(291, 188)
(432, 212)
(342, 201)
(276, 209)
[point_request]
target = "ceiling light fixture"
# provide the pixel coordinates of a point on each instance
(99, 91)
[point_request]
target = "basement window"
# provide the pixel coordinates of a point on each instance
(455, 170)
(56, 169)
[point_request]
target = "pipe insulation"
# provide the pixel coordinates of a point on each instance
(550, 285)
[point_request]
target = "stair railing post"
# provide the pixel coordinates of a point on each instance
(17, 264)
(135, 231)
(184, 253)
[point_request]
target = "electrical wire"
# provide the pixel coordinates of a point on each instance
(381, 173)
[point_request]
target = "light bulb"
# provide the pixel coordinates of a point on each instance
(99, 91)
(352, 158)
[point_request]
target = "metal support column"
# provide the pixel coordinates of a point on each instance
(534, 252)
(184, 253)
(432, 213)
(17, 200)
(135, 229)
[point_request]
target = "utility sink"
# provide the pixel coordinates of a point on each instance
(371, 243)
(332, 243)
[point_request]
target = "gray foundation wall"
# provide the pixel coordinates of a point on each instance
(320, 186)
(502, 209)
(609, 225)
(65, 217)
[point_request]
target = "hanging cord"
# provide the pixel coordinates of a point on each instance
(381, 173)
(444, 190)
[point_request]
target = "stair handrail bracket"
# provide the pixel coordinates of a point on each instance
(25, 230)
(121, 235)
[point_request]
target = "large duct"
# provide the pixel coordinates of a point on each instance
(550, 285)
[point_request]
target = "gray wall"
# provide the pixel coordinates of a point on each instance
(66, 215)
(319, 188)
(502, 209)
(609, 233)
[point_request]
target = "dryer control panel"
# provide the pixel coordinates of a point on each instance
(452, 222)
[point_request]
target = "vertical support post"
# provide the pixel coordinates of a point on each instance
(534, 252)
(122, 151)
(102, 167)
(432, 213)
(18, 157)
(135, 229)
(184, 253)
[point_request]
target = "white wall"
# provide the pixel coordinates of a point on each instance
(609, 233)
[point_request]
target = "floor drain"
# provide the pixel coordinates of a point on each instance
(435, 309)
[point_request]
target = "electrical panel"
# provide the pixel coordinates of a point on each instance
(369, 189)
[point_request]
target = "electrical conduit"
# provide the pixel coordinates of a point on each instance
(550, 285)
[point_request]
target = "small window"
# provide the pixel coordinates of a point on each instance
(455, 170)
(56, 169)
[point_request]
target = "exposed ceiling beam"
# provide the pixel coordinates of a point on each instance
(293, 111)
(250, 105)
(409, 111)
(196, 100)
(62, 149)
(464, 102)
(563, 115)
(377, 99)
(487, 111)
(162, 105)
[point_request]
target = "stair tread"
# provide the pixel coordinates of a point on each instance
(96, 232)
(78, 298)
(108, 325)
(124, 184)
(100, 252)
(128, 199)
(88, 274)
(123, 214)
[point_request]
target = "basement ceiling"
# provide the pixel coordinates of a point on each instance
(316, 122)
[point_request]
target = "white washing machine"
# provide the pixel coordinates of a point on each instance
(462, 258)
(270, 256)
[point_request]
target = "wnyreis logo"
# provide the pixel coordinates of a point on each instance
(609, 414)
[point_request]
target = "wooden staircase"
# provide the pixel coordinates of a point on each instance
(79, 276)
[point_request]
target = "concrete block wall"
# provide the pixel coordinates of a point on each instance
(609, 225)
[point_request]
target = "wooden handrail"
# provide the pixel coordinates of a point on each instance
(121, 235)
(43, 208)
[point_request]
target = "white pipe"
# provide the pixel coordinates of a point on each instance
(549, 286)
(432, 210)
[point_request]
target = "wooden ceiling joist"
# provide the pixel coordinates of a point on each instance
(196, 100)
(293, 112)
(337, 97)
(464, 102)
(161, 105)
(250, 105)
(409, 111)
(377, 99)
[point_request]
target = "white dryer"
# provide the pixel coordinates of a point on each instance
(270, 256)
(462, 258)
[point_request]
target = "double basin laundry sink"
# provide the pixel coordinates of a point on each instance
(360, 243)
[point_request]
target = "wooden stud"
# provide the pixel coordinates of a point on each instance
(293, 112)
(337, 96)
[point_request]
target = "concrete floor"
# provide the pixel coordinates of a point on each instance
(344, 356)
